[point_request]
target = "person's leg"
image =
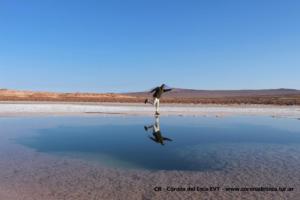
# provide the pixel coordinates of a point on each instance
(156, 124)
(149, 101)
(156, 103)
(148, 127)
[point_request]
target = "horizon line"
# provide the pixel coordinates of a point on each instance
(125, 92)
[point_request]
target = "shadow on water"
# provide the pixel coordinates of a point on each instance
(193, 148)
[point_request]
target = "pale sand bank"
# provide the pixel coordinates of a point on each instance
(33, 108)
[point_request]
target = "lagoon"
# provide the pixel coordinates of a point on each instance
(163, 143)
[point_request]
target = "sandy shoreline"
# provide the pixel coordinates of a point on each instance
(46, 108)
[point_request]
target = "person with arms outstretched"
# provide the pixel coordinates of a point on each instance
(157, 93)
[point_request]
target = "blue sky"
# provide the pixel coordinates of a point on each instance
(133, 45)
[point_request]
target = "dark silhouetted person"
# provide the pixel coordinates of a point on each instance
(157, 93)
(157, 136)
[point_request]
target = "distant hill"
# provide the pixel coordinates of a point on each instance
(268, 96)
(191, 93)
(177, 95)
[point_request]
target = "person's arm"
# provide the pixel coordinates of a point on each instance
(168, 139)
(151, 138)
(153, 90)
(167, 90)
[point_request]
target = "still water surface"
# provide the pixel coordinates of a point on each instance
(165, 143)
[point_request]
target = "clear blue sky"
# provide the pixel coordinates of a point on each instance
(133, 45)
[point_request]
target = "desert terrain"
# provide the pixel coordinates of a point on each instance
(182, 96)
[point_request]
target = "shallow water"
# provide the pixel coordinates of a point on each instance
(165, 143)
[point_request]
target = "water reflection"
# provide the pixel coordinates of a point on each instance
(200, 144)
(157, 135)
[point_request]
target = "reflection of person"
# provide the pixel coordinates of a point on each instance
(158, 91)
(157, 136)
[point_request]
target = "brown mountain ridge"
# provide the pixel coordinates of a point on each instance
(177, 95)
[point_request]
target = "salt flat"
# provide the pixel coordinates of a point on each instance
(45, 108)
